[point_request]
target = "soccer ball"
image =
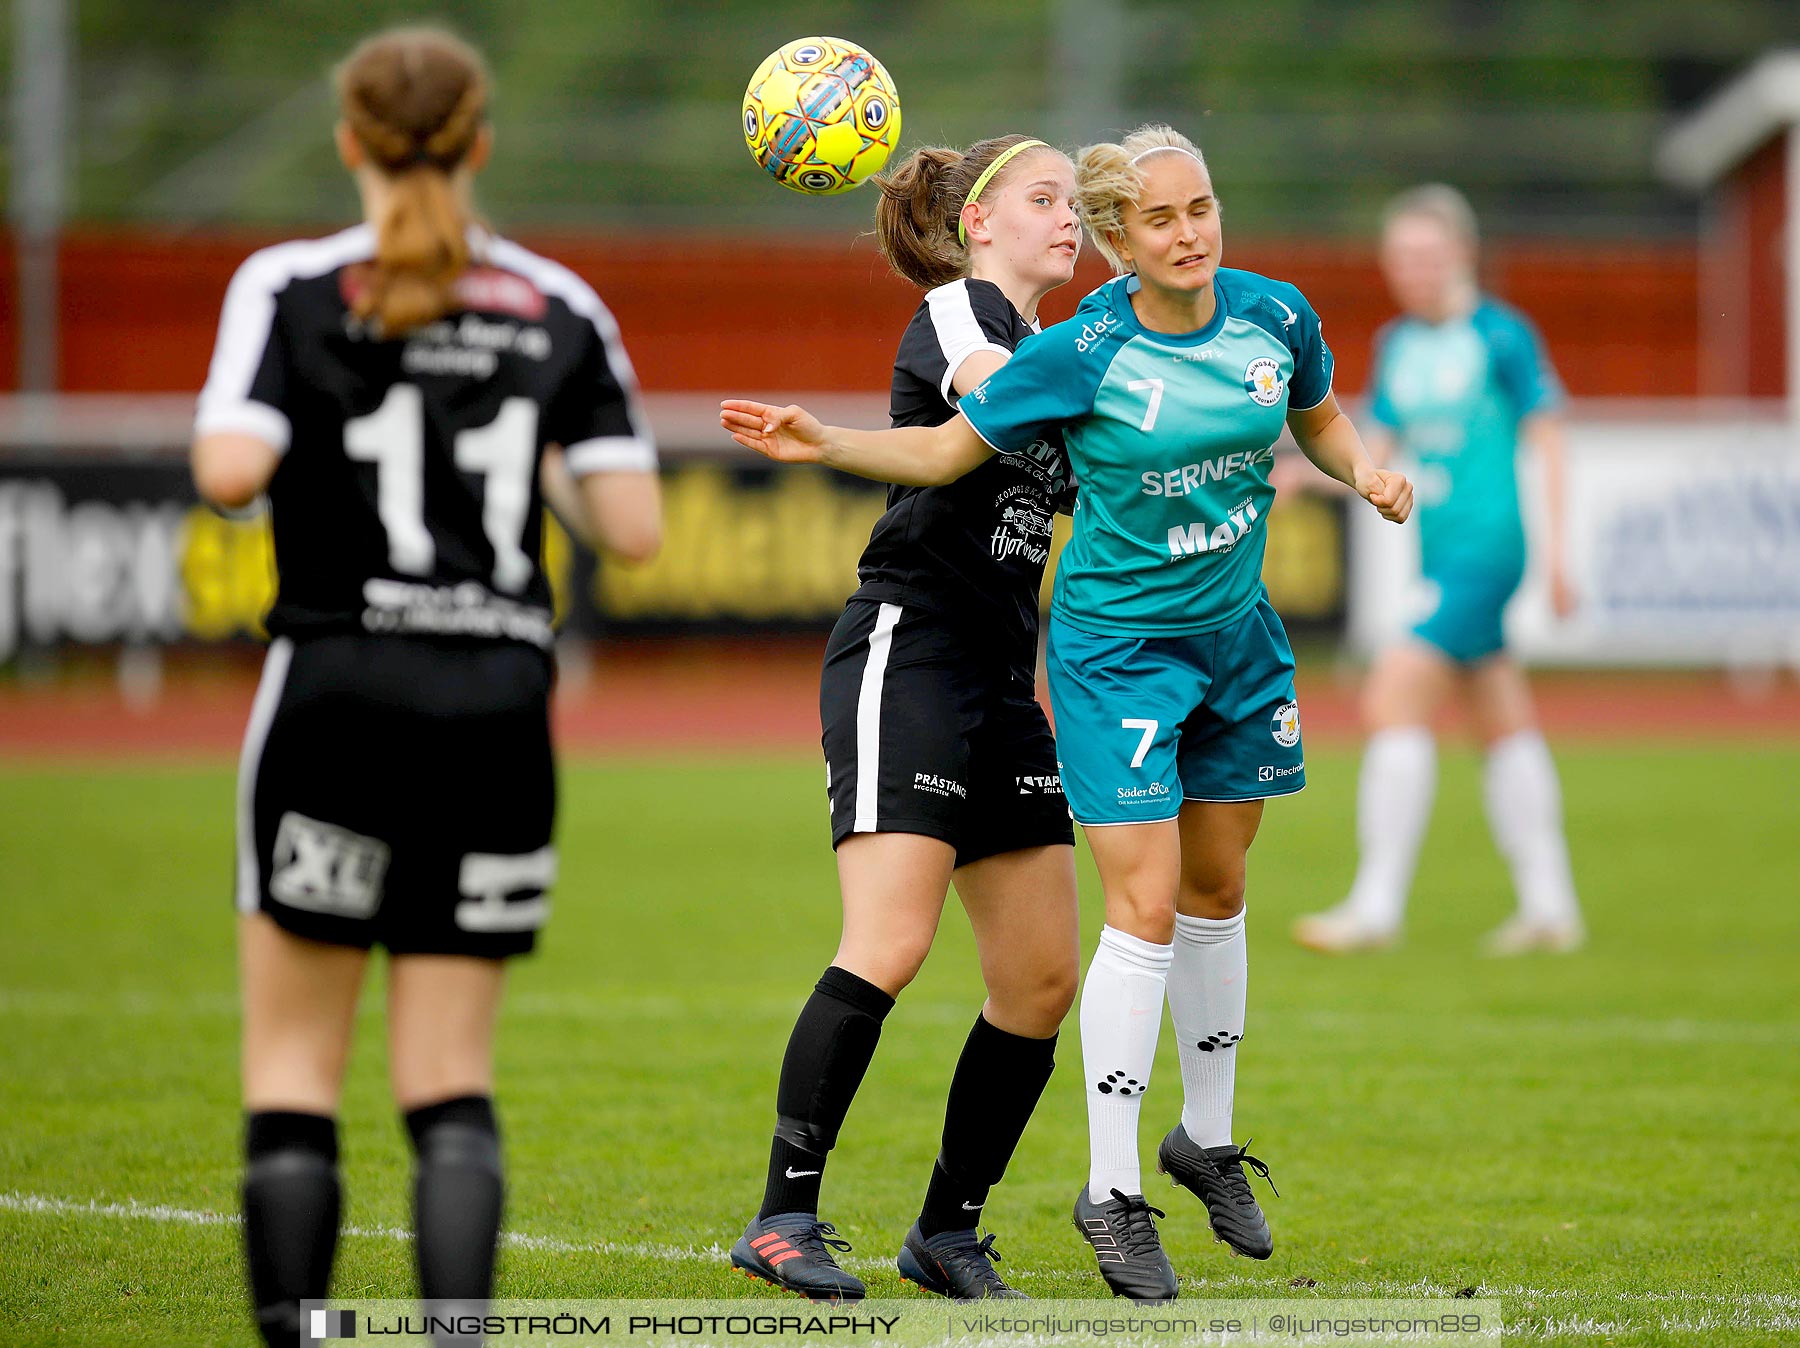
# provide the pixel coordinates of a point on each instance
(821, 115)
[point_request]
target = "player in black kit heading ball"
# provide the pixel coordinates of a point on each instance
(940, 761)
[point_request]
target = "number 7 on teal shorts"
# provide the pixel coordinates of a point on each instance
(1146, 723)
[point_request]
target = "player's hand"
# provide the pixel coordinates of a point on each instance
(786, 434)
(1388, 491)
(1563, 599)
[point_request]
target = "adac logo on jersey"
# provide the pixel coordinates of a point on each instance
(1285, 725)
(1262, 381)
(1093, 332)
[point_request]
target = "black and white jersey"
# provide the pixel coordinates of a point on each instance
(972, 551)
(407, 498)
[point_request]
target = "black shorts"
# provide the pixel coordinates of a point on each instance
(400, 792)
(924, 732)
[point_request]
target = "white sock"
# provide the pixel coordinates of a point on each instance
(1524, 805)
(1206, 1000)
(1393, 805)
(1121, 1015)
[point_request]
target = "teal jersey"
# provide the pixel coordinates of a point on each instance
(1453, 394)
(1170, 436)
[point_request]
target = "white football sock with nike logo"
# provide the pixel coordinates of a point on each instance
(1121, 1016)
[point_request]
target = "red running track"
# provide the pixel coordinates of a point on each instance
(688, 696)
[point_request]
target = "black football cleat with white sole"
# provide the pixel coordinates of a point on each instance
(792, 1251)
(1125, 1240)
(1215, 1175)
(955, 1264)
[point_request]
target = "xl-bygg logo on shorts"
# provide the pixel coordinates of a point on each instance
(1285, 726)
(1262, 381)
(322, 868)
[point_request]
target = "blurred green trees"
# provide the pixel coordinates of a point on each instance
(624, 115)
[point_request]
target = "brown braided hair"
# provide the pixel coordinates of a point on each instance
(922, 199)
(416, 100)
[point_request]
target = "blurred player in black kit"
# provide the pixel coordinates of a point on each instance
(394, 390)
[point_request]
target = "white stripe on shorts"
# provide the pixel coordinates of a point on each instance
(256, 734)
(868, 720)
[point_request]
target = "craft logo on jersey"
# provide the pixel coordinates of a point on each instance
(1286, 725)
(326, 869)
(1262, 381)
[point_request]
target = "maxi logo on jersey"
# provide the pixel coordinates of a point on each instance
(1193, 539)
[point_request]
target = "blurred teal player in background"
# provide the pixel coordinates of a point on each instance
(1170, 674)
(1460, 381)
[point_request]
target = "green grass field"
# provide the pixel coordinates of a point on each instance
(1606, 1141)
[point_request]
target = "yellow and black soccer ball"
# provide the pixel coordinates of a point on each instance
(821, 115)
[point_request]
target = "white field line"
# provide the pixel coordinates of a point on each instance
(161, 1212)
(532, 1005)
(1705, 1310)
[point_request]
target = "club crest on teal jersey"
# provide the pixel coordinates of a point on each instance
(1262, 381)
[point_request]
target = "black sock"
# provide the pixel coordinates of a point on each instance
(827, 1055)
(995, 1087)
(457, 1193)
(291, 1205)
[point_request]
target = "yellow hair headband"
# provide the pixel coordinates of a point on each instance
(1001, 160)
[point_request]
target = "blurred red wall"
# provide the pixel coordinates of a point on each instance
(767, 316)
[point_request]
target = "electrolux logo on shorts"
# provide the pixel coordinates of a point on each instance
(939, 786)
(1266, 773)
(1156, 791)
(1190, 477)
(1191, 540)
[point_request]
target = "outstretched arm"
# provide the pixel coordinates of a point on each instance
(1329, 439)
(914, 456)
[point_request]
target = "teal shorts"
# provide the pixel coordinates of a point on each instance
(1145, 723)
(1468, 608)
